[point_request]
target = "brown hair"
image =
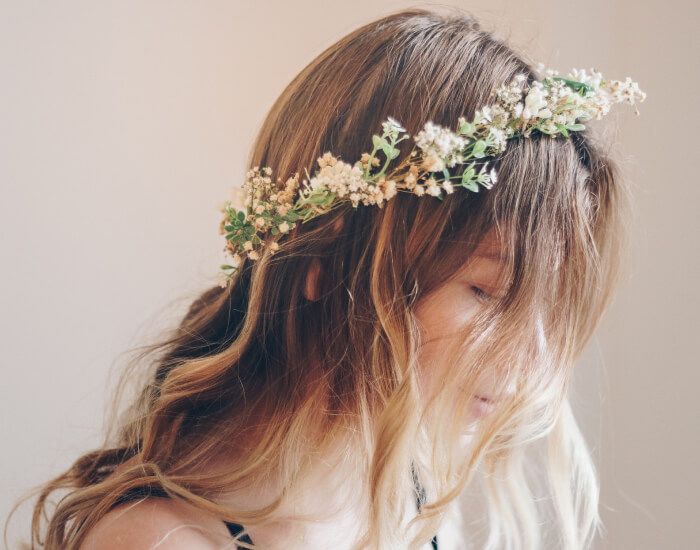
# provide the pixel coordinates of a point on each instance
(282, 376)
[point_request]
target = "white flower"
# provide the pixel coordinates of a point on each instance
(222, 279)
(433, 164)
(592, 80)
(260, 221)
(253, 255)
(392, 127)
(248, 245)
(433, 188)
(389, 189)
(259, 209)
(534, 101)
(283, 227)
(439, 142)
(447, 186)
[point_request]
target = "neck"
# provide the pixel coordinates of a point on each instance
(331, 494)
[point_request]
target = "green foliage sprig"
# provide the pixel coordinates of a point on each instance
(262, 210)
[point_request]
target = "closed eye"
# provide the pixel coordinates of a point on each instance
(481, 295)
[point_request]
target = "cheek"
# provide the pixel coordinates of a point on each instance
(441, 316)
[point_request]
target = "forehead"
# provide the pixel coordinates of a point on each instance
(491, 247)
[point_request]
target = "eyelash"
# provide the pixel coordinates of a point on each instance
(480, 294)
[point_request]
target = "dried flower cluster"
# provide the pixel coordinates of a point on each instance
(261, 209)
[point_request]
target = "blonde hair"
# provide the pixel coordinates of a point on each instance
(284, 377)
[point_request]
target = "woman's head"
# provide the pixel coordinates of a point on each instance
(378, 326)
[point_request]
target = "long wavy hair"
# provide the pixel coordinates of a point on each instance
(261, 367)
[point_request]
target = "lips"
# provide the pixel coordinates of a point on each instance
(482, 406)
(485, 399)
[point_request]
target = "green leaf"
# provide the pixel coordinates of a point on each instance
(576, 86)
(469, 173)
(563, 131)
(479, 148)
(241, 215)
(576, 127)
(256, 239)
(395, 153)
(274, 230)
(229, 228)
(292, 216)
(378, 142)
(446, 173)
(471, 185)
(467, 129)
(225, 266)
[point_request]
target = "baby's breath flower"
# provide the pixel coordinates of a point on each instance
(433, 164)
(534, 101)
(222, 279)
(392, 127)
(438, 141)
(433, 188)
(550, 106)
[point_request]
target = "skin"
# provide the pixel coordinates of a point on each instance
(453, 305)
(137, 526)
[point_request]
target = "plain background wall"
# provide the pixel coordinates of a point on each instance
(124, 124)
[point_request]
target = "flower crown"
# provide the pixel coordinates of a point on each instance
(261, 209)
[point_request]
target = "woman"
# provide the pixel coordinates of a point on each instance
(361, 367)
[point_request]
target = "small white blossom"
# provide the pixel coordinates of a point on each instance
(392, 127)
(433, 164)
(443, 143)
(543, 106)
(433, 188)
(534, 101)
(222, 279)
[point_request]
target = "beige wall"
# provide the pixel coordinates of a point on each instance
(123, 124)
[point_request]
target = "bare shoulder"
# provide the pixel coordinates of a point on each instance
(156, 522)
